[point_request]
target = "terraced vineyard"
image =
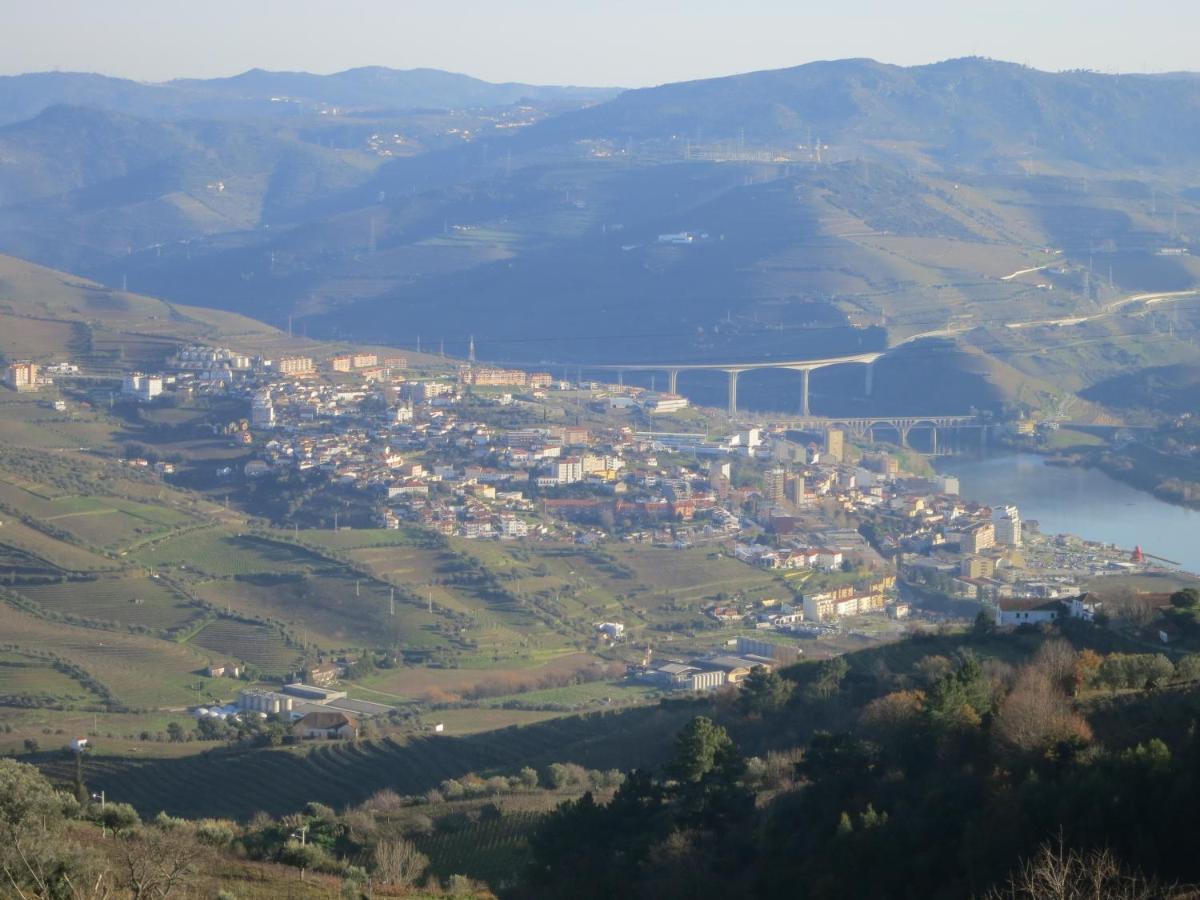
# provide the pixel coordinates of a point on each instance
(110, 522)
(493, 851)
(335, 610)
(28, 679)
(140, 671)
(237, 784)
(124, 600)
(214, 551)
(53, 552)
(260, 645)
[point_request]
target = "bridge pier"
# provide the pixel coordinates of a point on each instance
(804, 392)
(672, 380)
(733, 377)
(870, 386)
(904, 429)
(621, 377)
(933, 440)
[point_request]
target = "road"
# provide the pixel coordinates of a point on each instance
(1109, 309)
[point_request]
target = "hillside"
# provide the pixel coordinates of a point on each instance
(970, 112)
(1029, 209)
(263, 93)
(46, 315)
(952, 765)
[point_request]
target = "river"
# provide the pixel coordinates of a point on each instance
(1081, 501)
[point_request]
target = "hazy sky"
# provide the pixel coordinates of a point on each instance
(611, 42)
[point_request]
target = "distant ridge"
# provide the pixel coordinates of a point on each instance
(259, 92)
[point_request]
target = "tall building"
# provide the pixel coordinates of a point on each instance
(262, 411)
(1008, 525)
(775, 485)
(22, 376)
(835, 445)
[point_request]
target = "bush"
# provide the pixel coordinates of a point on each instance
(215, 832)
(1134, 670)
(452, 789)
(307, 856)
(118, 816)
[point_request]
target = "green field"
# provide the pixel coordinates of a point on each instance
(259, 645)
(111, 523)
(119, 599)
(1065, 438)
(640, 584)
(214, 551)
(140, 671)
(32, 679)
(591, 694)
(55, 553)
(329, 610)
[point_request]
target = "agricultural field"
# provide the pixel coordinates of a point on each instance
(359, 538)
(259, 645)
(343, 774)
(333, 611)
(109, 522)
(33, 681)
(477, 719)
(55, 554)
(620, 692)
(636, 584)
(493, 850)
(502, 678)
(216, 552)
(24, 337)
(119, 599)
(139, 671)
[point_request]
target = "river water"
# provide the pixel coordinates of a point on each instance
(1081, 501)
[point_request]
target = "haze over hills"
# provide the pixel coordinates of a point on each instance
(838, 194)
(258, 92)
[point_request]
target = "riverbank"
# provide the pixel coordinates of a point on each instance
(1080, 499)
(1171, 478)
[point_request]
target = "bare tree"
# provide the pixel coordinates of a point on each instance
(1057, 659)
(155, 862)
(399, 862)
(1059, 873)
(1036, 716)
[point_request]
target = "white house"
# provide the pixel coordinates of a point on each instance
(1011, 612)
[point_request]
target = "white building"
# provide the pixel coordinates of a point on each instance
(262, 411)
(513, 527)
(142, 387)
(1007, 521)
(664, 403)
(1022, 612)
(567, 470)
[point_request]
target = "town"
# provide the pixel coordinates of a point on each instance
(482, 453)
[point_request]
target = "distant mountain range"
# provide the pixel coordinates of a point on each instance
(837, 194)
(259, 92)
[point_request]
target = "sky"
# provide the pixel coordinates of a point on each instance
(627, 43)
